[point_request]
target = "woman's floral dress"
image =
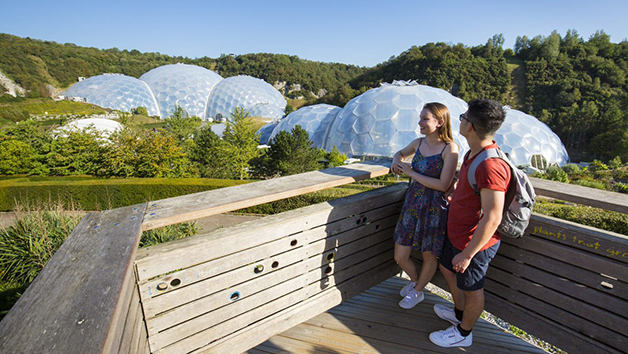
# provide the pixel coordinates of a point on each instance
(423, 220)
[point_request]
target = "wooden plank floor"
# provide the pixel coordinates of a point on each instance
(373, 322)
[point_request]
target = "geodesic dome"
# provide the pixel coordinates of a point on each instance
(105, 126)
(266, 132)
(523, 136)
(384, 120)
(185, 85)
(266, 111)
(115, 91)
(314, 119)
(243, 91)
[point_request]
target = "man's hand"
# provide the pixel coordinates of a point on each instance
(460, 262)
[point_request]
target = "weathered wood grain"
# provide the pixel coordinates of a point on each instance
(572, 235)
(577, 281)
(193, 250)
(581, 195)
(194, 206)
(78, 303)
(279, 322)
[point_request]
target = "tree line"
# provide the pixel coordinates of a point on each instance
(576, 86)
(181, 149)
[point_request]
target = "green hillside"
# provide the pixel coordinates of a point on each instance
(576, 86)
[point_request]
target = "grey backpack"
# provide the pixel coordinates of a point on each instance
(519, 198)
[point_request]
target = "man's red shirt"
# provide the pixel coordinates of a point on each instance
(465, 209)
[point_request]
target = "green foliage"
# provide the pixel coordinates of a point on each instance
(241, 140)
(615, 163)
(89, 193)
(334, 158)
(141, 111)
(183, 128)
(168, 233)
(14, 114)
(585, 215)
(145, 153)
(77, 153)
(555, 173)
(24, 107)
(598, 165)
(571, 168)
(16, 157)
(578, 88)
(304, 200)
(33, 63)
(230, 156)
(27, 245)
(289, 153)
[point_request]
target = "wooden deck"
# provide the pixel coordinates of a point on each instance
(373, 322)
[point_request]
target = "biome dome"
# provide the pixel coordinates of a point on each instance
(266, 132)
(246, 92)
(185, 85)
(314, 119)
(115, 91)
(522, 136)
(105, 126)
(268, 112)
(384, 120)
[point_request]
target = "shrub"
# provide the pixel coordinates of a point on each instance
(585, 215)
(168, 233)
(621, 175)
(89, 193)
(597, 165)
(557, 174)
(571, 168)
(591, 184)
(27, 245)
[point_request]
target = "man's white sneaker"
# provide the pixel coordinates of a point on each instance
(412, 299)
(406, 289)
(451, 337)
(446, 313)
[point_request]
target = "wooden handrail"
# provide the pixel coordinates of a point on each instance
(77, 303)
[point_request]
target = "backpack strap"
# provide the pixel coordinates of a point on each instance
(491, 154)
(482, 156)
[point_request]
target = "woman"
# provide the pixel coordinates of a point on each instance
(423, 220)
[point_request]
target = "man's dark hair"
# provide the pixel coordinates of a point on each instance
(487, 116)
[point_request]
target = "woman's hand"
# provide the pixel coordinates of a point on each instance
(396, 167)
(406, 169)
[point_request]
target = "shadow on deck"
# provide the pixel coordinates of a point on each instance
(372, 322)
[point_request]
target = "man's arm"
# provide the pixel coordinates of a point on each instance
(493, 207)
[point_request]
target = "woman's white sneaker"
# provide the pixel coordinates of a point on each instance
(406, 289)
(412, 299)
(450, 338)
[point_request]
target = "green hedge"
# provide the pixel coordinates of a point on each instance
(88, 193)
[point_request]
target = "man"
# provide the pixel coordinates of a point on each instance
(472, 239)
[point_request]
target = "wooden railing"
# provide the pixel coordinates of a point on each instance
(228, 290)
(564, 282)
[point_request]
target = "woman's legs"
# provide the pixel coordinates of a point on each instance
(402, 257)
(428, 269)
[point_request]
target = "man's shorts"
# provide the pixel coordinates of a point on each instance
(473, 277)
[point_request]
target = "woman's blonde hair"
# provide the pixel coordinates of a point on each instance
(441, 112)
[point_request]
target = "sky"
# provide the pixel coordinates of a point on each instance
(363, 33)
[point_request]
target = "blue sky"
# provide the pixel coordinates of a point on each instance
(354, 32)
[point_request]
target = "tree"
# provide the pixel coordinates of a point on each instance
(16, 157)
(291, 153)
(241, 140)
(145, 153)
(208, 152)
(183, 128)
(77, 153)
(335, 158)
